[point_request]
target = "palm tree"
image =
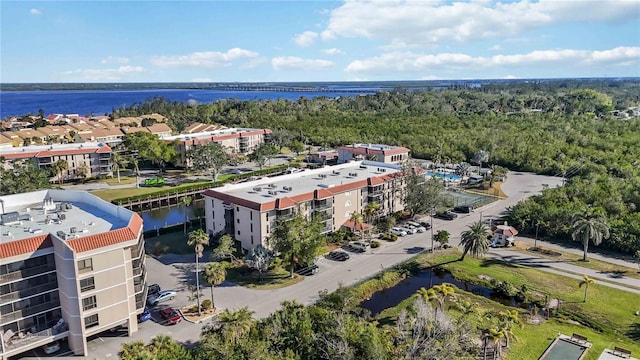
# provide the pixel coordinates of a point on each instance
(214, 273)
(358, 222)
(118, 163)
(235, 324)
(133, 350)
(496, 335)
(198, 239)
(590, 228)
(474, 240)
(161, 342)
(586, 281)
(186, 201)
(443, 291)
(59, 167)
(508, 319)
(370, 211)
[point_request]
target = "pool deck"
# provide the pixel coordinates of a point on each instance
(607, 354)
(587, 345)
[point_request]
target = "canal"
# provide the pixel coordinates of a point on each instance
(174, 215)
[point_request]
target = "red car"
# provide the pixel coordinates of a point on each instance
(170, 315)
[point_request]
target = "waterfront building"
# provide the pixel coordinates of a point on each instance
(249, 210)
(234, 140)
(374, 152)
(71, 266)
(94, 157)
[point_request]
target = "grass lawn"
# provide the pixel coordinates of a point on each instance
(124, 180)
(273, 279)
(175, 243)
(574, 259)
(112, 194)
(490, 191)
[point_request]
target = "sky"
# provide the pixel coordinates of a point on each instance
(283, 41)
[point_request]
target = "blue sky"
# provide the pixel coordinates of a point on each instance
(248, 41)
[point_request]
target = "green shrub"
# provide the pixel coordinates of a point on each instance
(206, 304)
(375, 244)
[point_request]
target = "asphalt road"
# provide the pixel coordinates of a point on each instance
(177, 272)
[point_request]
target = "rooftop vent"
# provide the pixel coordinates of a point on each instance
(257, 188)
(335, 172)
(363, 167)
(273, 186)
(287, 188)
(322, 176)
(271, 192)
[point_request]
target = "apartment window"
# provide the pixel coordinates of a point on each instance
(213, 214)
(91, 321)
(238, 221)
(237, 208)
(87, 284)
(250, 215)
(85, 265)
(89, 303)
(251, 239)
(238, 232)
(251, 227)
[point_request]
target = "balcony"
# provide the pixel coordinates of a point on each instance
(325, 205)
(19, 340)
(286, 215)
(138, 269)
(323, 216)
(21, 274)
(137, 251)
(32, 290)
(18, 314)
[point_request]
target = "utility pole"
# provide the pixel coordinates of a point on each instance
(431, 216)
(535, 242)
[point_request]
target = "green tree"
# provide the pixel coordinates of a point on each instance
(258, 258)
(586, 281)
(198, 239)
(235, 324)
(480, 157)
(442, 237)
(83, 171)
(225, 249)
(214, 274)
(370, 211)
(422, 195)
(590, 228)
(297, 240)
(59, 167)
(22, 176)
(149, 147)
(262, 153)
(208, 158)
(358, 223)
(134, 350)
(118, 162)
(474, 241)
(297, 147)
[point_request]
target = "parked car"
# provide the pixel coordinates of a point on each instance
(144, 316)
(51, 348)
(414, 225)
(463, 209)
(162, 296)
(409, 230)
(338, 255)
(426, 224)
(170, 316)
(398, 231)
(306, 270)
(153, 289)
(359, 245)
(446, 215)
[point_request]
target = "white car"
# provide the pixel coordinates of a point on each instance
(409, 230)
(398, 231)
(413, 225)
(51, 348)
(359, 245)
(162, 296)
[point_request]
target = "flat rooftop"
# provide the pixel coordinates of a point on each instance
(208, 134)
(86, 146)
(290, 185)
(50, 211)
(379, 147)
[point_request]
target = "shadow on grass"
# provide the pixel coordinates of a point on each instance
(634, 331)
(272, 279)
(498, 262)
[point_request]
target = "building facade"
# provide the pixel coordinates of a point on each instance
(249, 210)
(234, 140)
(373, 152)
(72, 266)
(92, 158)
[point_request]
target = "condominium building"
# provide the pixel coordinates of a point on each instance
(374, 152)
(250, 210)
(72, 265)
(235, 140)
(83, 160)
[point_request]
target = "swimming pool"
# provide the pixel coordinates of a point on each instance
(564, 349)
(450, 177)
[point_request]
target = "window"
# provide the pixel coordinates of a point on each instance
(251, 239)
(85, 265)
(87, 284)
(89, 303)
(238, 221)
(250, 215)
(213, 214)
(91, 321)
(237, 208)
(238, 232)
(251, 227)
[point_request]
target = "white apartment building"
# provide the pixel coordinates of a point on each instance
(249, 210)
(93, 156)
(71, 266)
(373, 152)
(235, 140)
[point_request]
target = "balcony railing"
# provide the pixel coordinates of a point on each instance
(138, 270)
(18, 340)
(29, 311)
(21, 274)
(32, 290)
(323, 206)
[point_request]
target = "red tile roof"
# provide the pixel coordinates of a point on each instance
(47, 153)
(365, 150)
(24, 246)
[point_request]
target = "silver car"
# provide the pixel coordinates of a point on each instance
(162, 296)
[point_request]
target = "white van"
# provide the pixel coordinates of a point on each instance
(398, 231)
(359, 245)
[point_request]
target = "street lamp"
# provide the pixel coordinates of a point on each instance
(535, 242)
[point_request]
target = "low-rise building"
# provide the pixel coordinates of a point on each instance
(234, 140)
(71, 266)
(94, 158)
(249, 210)
(322, 157)
(373, 152)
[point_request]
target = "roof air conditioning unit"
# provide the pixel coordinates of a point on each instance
(363, 167)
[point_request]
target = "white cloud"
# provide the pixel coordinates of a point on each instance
(508, 77)
(414, 62)
(305, 39)
(113, 74)
(496, 47)
(35, 11)
(297, 63)
(116, 60)
(429, 22)
(253, 63)
(206, 59)
(333, 51)
(201, 80)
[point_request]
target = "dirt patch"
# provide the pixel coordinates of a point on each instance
(485, 277)
(190, 314)
(545, 252)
